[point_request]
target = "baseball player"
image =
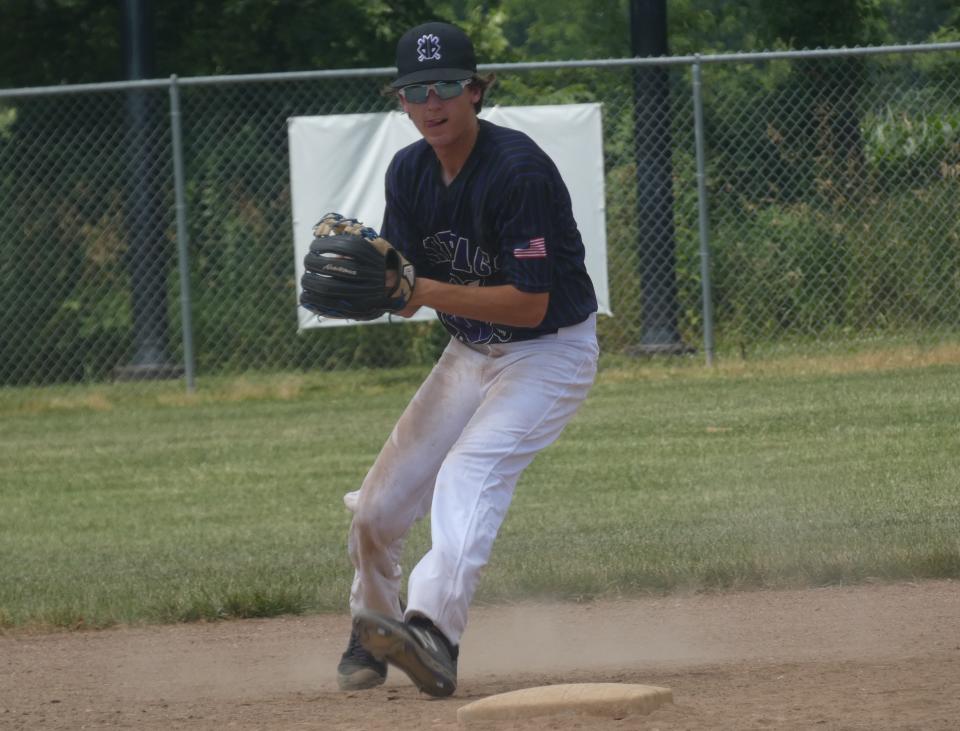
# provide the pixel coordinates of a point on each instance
(483, 215)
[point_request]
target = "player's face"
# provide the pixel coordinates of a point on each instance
(444, 123)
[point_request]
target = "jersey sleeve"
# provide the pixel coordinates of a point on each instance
(397, 226)
(524, 228)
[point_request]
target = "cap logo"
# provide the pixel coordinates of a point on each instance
(428, 48)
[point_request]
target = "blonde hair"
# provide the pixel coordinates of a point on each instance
(483, 83)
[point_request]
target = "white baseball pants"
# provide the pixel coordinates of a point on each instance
(474, 425)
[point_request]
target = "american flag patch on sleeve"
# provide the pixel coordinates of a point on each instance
(534, 249)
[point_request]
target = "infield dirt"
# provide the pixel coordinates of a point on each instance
(874, 656)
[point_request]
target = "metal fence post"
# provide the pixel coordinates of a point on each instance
(182, 235)
(703, 214)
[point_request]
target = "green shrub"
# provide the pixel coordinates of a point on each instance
(886, 264)
(910, 147)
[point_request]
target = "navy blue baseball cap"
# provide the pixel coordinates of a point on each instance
(434, 52)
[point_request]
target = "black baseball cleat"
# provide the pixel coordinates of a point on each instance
(358, 669)
(417, 647)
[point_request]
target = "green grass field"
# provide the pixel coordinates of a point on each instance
(140, 503)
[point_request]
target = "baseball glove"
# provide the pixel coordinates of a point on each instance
(352, 273)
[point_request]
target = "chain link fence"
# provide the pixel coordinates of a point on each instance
(754, 202)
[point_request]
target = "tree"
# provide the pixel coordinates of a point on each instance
(46, 42)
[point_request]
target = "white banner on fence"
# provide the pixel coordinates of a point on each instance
(338, 163)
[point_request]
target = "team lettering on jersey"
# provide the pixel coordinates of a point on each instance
(469, 261)
(469, 264)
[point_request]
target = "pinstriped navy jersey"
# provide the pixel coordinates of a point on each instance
(505, 219)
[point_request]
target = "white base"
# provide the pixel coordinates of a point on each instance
(613, 700)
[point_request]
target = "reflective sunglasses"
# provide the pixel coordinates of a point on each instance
(418, 93)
